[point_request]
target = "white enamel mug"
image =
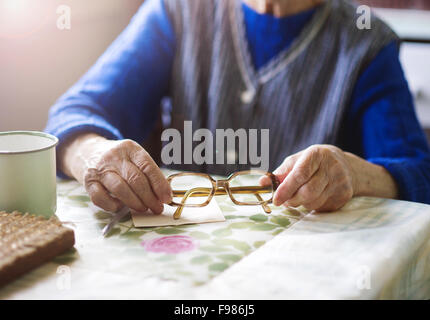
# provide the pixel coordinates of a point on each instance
(28, 172)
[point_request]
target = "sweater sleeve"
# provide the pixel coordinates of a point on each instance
(119, 97)
(383, 128)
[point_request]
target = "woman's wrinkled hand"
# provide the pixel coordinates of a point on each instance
(320, 178)
(117, 174)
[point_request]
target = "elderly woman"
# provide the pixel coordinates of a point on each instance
(334, 97)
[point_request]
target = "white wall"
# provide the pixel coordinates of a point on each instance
(39, 62)
(415, 60)
(413, 24)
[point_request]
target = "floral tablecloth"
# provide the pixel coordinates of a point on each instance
(372, 248)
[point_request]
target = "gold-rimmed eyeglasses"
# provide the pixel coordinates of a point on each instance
(248, 188)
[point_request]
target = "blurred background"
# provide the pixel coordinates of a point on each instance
(39, 62)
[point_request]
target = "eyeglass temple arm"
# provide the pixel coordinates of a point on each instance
(189, 193)
(266, 208)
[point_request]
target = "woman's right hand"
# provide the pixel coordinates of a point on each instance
(116, 173)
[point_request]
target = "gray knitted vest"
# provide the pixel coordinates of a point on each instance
(301, 95)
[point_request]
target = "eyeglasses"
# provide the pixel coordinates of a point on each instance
(246, 188)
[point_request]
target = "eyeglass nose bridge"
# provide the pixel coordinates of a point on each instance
(221, 183)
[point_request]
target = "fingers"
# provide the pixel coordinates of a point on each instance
(319, 178)
(331, 204)
(339, 196)
(119, 189)
(122, 173)
(332, 198)
(156, 178)
(101, 198)
(310, 195)
(140, 185)
(303, 170)
(317, 203)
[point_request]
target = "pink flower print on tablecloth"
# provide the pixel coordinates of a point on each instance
(170, 244)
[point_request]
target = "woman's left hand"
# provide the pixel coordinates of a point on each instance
(324, 178)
